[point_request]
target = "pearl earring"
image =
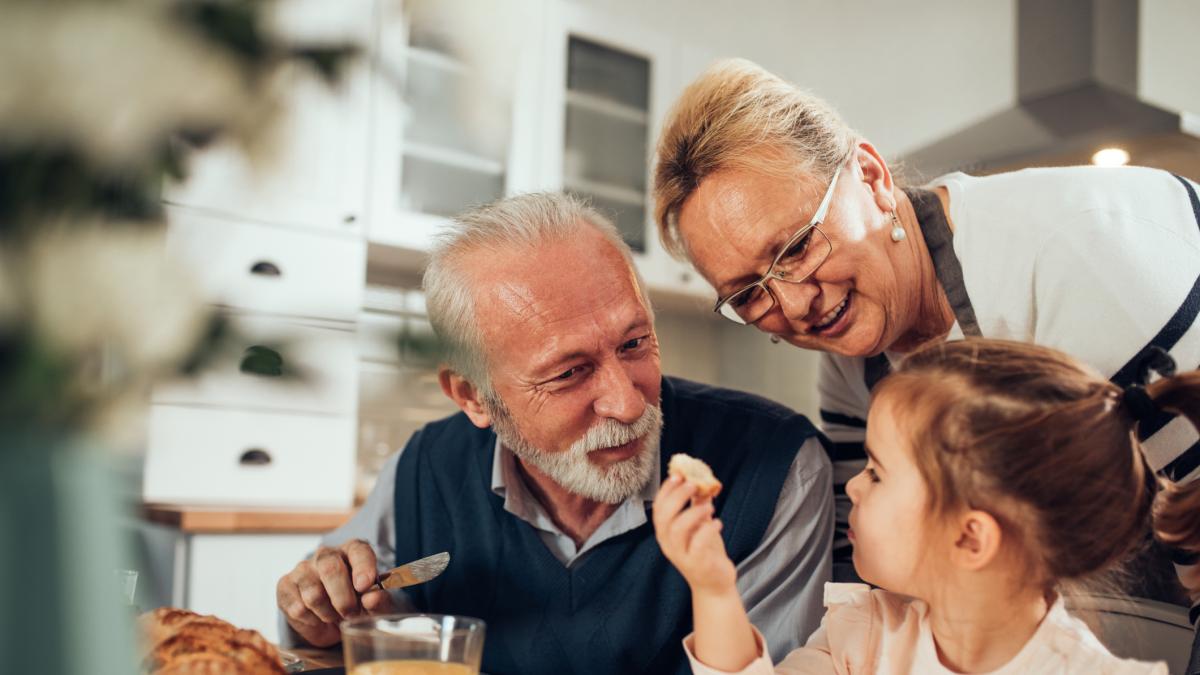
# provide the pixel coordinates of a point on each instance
(898, 233)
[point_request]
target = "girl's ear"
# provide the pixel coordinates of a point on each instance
(977, 540)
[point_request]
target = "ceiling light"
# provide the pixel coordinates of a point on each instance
(1111, 157)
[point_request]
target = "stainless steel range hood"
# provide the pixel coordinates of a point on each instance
(1077, 84)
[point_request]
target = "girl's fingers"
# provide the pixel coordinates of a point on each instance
(672, 497)
(683, 528)
(707, 537)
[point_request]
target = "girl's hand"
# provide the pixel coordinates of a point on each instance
(691, 538)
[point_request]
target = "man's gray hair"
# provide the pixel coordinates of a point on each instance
(522, 222)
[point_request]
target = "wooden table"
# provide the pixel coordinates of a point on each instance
(319, 658)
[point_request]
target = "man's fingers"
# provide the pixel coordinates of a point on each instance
(378, 601)
(335, 577)
(287, 597)
(312, 592)
(363, 567)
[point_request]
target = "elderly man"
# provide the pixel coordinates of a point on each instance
(539, 488)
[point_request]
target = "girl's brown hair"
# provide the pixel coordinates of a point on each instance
(1044, 444)
(1177, 507)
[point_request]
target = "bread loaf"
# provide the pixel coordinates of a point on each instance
(179, 642)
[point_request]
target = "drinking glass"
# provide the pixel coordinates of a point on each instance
(413, 644)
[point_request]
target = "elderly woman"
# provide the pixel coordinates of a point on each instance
(797, 223)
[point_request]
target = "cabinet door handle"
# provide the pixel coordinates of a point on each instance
(255, 457)
(349, 218)
(260, 360)
(265, 268)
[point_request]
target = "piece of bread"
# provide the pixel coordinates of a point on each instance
(696, 472)
(180, 642)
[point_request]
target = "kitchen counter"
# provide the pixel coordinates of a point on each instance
(201, 520)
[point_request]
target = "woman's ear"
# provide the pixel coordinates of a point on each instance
(875, 173)
(977, 540)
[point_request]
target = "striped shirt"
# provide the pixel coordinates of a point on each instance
(1096, 262)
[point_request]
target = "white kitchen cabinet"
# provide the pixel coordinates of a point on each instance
(231, 457)
(443, 120)
(527, 121)
(225, 562)
(278, 248)
(313, 171)
(607, 83)
(279, 365)
(269, 268)
(233, 576)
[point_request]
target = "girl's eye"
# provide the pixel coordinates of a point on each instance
(872, 475)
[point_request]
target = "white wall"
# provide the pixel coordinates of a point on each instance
(903, 72)
(1168, 53)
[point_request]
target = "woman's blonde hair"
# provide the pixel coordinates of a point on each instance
(738, 115)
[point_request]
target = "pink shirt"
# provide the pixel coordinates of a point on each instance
(874, 631)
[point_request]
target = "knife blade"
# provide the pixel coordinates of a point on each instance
(415, 572)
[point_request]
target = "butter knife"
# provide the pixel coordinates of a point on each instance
(415, 572)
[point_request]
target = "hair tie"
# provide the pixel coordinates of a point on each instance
(1139, 404)
(1135, 398)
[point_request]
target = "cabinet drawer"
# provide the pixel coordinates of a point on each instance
(233, 575)
(271, 269)
(212, 456)
(276, 365)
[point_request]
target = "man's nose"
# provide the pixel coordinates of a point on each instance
(618, 398)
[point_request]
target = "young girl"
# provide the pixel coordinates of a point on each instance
(998, 471)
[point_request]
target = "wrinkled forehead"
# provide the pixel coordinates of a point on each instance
(578, 287)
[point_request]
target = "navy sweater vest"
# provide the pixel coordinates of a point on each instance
(623, 609)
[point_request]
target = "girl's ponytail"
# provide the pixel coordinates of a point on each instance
(1177, 506)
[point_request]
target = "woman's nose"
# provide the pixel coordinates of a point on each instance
(794, 300)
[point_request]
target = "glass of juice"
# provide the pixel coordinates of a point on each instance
(413, 644)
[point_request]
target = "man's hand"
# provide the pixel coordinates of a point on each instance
(691, 538)
(319, 593)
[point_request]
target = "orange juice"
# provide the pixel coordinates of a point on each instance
(412, 668)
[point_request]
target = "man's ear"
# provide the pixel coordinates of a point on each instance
(977, 540)
(465, 395)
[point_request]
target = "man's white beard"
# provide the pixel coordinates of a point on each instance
(572, 469)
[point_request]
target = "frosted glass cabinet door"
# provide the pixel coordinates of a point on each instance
(441, 123)
(606, 136)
